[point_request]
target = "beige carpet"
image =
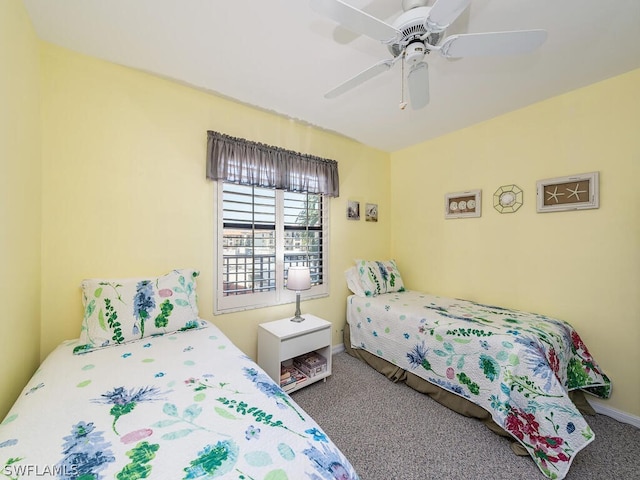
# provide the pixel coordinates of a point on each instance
(391, 432)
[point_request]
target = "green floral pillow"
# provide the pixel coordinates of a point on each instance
(124, 310)
(378, 277)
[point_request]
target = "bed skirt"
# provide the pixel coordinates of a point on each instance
(450, 400)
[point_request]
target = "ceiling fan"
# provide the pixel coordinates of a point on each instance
(415, 34)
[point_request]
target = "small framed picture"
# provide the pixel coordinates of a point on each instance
(575, 192)
(371, 212)
(463, 204)
(353, 210)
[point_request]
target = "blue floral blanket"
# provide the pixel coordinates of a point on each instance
(518, 366)
(186, 405)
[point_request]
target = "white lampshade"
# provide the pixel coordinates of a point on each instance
(299, 278)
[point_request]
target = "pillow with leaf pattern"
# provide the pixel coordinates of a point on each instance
(377, 277)
(117, 311)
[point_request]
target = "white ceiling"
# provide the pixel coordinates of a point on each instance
(282, 56)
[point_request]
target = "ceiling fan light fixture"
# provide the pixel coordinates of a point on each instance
(415, 52)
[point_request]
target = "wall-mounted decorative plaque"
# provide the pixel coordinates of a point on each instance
(507, 199)
(371, 212)
(353, 210)
(575, 192)
(463, 204)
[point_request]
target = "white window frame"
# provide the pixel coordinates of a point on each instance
(280, 296)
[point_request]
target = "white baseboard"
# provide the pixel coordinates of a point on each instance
(337, 349)
(616, 414)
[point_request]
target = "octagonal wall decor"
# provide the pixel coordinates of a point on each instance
(463, 204)
(507, 199)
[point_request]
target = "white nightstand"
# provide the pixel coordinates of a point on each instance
(280, 341)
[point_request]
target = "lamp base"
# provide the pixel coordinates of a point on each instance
(297, 318)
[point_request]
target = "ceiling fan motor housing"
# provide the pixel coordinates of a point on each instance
(412, 25)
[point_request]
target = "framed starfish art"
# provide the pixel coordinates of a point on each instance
(575, 192)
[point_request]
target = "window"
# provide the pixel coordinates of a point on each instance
(260, 233)
(272, 213)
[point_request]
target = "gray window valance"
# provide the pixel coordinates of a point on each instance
(241, 161)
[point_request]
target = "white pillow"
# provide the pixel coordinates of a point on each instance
(353, 281)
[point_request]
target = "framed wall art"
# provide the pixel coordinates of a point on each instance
(371, 212)
(353, 210)
(463, 204)
(575, 192)
(507, 199)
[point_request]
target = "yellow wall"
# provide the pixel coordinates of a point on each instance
(125, 194)
(102, 174)
(580, 266)
(20, 185)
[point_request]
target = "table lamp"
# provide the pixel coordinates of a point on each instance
(298, 278)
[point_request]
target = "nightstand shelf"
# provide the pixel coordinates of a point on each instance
(282, 340)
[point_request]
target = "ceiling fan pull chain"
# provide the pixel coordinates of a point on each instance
(403, 104)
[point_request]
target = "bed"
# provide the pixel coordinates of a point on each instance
(522, 373)
(179, 401)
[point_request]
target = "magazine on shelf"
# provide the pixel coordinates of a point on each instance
(290, 377)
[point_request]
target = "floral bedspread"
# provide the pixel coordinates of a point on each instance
(179, 406)
(518, 366)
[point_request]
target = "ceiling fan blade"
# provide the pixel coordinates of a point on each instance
(356, 20)
(360, 78)
(444, 13)
(418, 83)
(492, 43)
